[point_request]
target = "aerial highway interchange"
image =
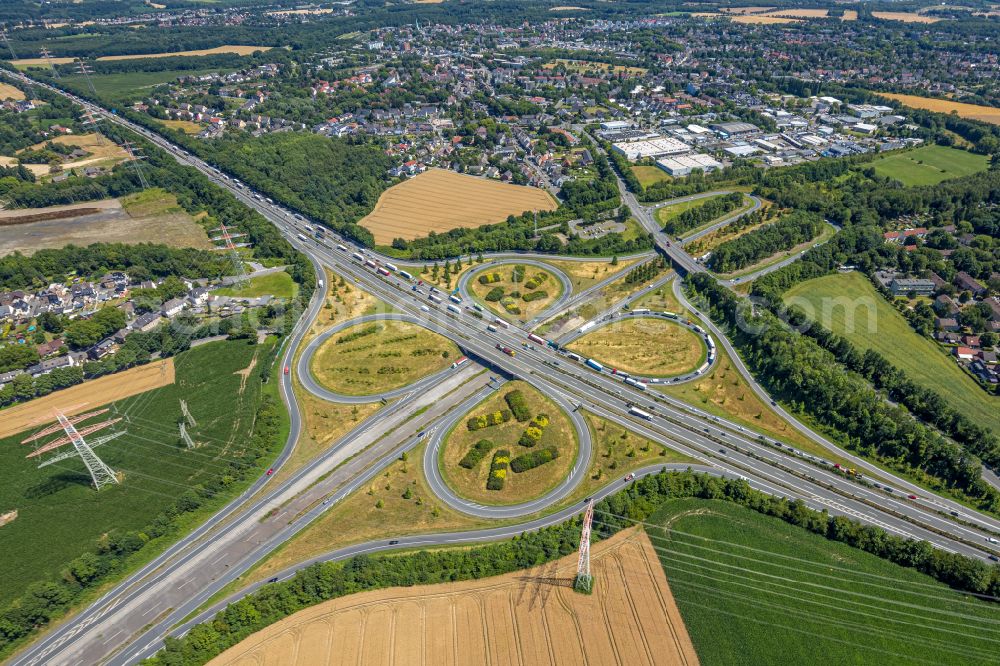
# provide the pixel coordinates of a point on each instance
(130, 621)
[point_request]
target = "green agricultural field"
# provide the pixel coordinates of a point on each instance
(929, 165)
(123, 84)
(61, 516)
(372, 358)
(847, 304)
(518, 487)
(753, 589)
(279, 285)
(650, 175)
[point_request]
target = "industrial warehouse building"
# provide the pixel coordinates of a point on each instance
(654, 147)
(685, 164)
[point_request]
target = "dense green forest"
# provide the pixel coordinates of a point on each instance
(332, 180)
(331, 580)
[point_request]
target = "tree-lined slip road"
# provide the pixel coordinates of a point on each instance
(679, 426)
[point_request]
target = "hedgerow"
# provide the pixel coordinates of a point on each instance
(534, 459)
(476, 454)
(518, 405)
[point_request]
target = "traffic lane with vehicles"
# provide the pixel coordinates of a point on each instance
(899, 484)
(265, 537)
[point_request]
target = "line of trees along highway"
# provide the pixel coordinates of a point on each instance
(788, 231)
(811, 380)
(331, 580)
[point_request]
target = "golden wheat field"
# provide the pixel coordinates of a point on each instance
(10, 92)
(905, 17)
(86, 396)
(238, 49)
(987, 114)
(757, 19)
(799, 13)
(526, 617)
(439, 200)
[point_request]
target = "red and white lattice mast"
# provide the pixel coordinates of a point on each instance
(584, 582)
(100, 473)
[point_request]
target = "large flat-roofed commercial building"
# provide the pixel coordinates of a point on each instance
(734, 128)
(685, 164)
(655, 147)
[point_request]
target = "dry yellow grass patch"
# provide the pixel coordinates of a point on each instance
(986, 114)
(238, 49)
(522, 486)
(745, 10)
(388, 355)
(86, 396)
(646, 347)
(905, 17)
(440, 200)
(301, 12)
(186, 126)
(520, 618)
(799, 13)
(420, 514)
(40, 62)
(102, 150)
(588, 65)
(8, 91)
(755, 19)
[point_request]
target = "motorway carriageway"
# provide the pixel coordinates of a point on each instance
(618, 405)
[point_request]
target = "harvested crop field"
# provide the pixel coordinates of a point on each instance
(90, 394)
(525, 617)
(372, 358)
(987, 114)
(110, 220)
(647, 347)
(439, 200)
(24, 63)
(229, 48)
(757, 19)
(905, 17)
(8, 91)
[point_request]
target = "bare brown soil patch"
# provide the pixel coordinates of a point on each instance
(439, 200)
(525, 617)
(31, 229)
(90, 394)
